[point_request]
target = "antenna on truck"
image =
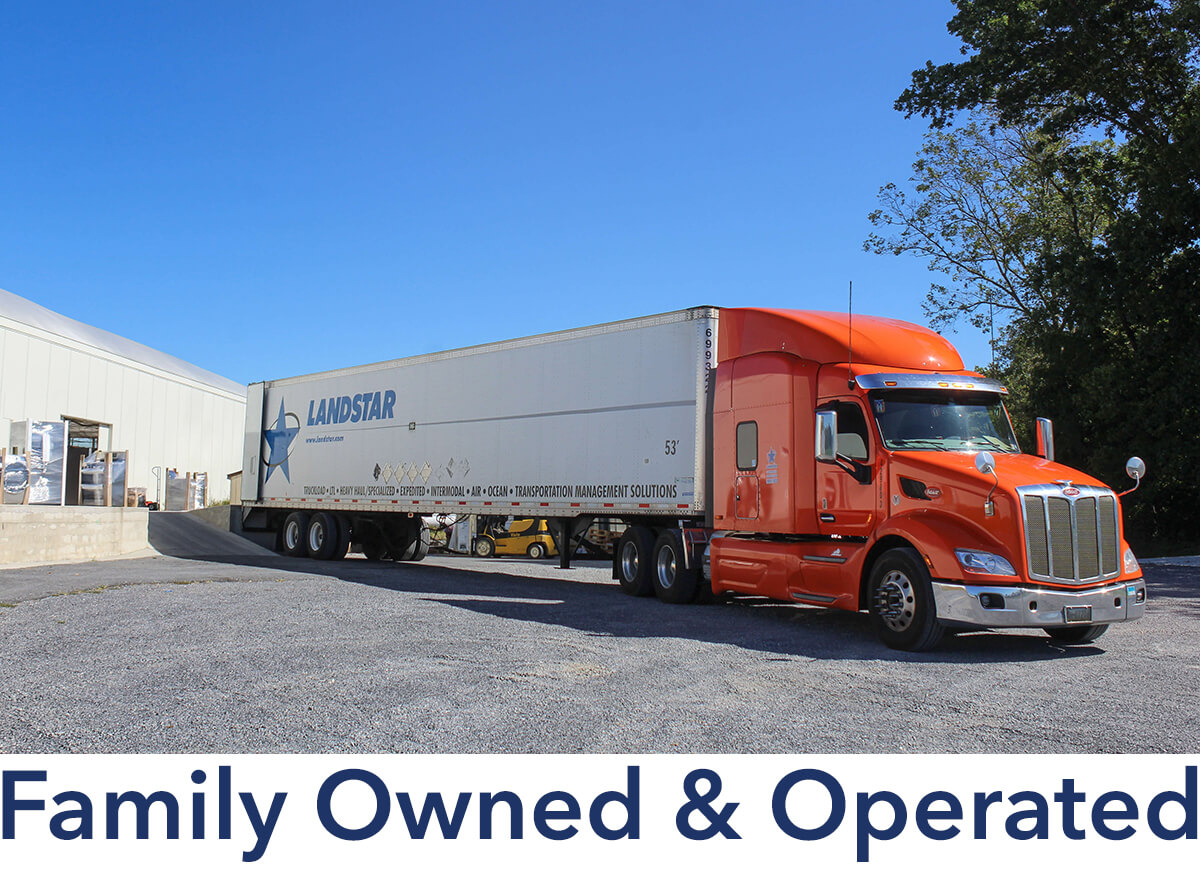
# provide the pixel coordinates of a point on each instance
(850, 337)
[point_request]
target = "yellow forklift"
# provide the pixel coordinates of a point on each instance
(528, 536)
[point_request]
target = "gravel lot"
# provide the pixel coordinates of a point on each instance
(227, 648)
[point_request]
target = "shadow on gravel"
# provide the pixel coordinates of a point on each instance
(1181, 584)
(178, 535)
(604, 610)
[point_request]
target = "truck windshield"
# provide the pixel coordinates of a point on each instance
(942, 420)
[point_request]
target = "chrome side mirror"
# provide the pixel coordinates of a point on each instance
(827, 435)
(985, 462)
(1135, 468)
(1045, 438)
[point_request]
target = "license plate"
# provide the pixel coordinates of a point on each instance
(1077, 614)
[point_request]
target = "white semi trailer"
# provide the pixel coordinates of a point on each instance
(605, 421)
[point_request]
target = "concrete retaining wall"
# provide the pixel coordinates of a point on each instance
(47, 534)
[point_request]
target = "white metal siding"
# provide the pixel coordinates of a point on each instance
(163, 418)
(559, 424)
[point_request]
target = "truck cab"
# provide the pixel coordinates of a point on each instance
(860, 466)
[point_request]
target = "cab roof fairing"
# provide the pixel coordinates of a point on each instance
(828, 337)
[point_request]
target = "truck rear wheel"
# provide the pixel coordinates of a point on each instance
(1079, 635)
(900, 599)
(322, 536)
(295, 528)
(634, 561)
(673, 581)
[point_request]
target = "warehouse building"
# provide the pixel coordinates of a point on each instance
(115, 395)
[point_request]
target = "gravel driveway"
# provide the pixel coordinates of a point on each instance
(228, 648)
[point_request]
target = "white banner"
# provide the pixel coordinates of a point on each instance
(596, 812)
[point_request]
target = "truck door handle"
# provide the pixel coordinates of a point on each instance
(828, 518)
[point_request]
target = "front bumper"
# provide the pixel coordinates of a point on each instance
(984, 605)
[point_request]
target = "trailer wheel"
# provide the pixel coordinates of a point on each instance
(322, 536)
(484, 547)
(344, 536)
(900, 599)
(634, 557)
(374, 550)
(417, 547)
(537, 551)
(673, 581)
(294, 530)
(1079, 635)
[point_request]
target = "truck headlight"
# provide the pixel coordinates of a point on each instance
(1131, 564)
(983, 563)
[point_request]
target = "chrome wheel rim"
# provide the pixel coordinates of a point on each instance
(629, 561)
(895, 601)
(316, 536)
(291, 535)
(666, 567)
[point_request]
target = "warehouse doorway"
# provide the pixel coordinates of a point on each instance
(83, 438)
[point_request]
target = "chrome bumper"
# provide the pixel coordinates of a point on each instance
(990, 606)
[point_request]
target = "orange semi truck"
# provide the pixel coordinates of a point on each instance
(785, 454)
(894, 484)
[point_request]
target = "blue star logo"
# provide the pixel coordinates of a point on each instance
(771, 456)
(279, 442)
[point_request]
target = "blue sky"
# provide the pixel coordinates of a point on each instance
(266, 189)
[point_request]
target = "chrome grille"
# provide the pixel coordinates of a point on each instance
(1035, 538)
(1110, 560)
(1085, 523)
(1070, 539)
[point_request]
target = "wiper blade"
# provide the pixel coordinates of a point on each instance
(990, 442)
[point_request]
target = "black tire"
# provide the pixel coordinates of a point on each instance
(417, 547)
(484, 547)
(900, 599)
(704, 592)
(322, 536)
(1077, 635)
(292, 536)
(536, 550)
(374, 550)
(370, 541)
(344, 536)
(673, 581)
(634, 561)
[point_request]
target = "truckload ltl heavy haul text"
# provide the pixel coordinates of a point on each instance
(794, 455)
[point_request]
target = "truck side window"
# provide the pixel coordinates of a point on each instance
(852, 431)
(747, 445)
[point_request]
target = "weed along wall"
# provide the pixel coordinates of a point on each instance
(47, 534)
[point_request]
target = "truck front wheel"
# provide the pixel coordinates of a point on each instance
(634, 561)
(900, 599)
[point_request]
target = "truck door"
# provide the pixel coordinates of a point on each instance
(847, 490)
(745, 489)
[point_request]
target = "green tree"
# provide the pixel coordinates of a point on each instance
(1108, 355)
(985, 205)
